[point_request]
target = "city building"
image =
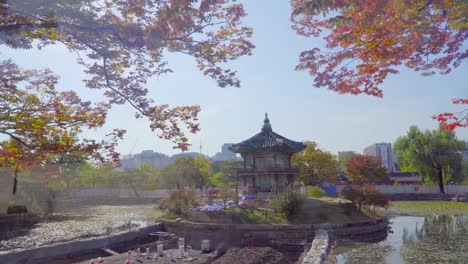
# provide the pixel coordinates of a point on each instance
(267, 161)
(225, 153)
(384, 152)
(150, 157)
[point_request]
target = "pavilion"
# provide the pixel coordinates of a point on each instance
(267, 161)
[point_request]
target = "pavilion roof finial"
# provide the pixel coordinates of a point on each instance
(266, 124)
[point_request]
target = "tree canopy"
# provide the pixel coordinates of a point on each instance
(122, 43)
(362, 169)
(436, 155)
(343, 159)
(43, 124)
(187, 172)
(225, 172)
(368, 40)
(315, 165)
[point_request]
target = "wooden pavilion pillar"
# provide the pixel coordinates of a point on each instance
(254, 182)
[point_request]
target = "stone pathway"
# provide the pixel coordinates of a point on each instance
(318, 251)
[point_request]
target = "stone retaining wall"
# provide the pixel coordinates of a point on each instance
(263, 235)
(221, 235)
(33, 255)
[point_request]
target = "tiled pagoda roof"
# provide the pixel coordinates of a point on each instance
(267, 140)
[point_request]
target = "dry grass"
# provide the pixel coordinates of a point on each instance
(328, 210)
(428, 208)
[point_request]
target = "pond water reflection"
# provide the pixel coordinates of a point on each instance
(430, 239)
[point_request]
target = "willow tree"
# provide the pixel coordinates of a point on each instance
(436, 155)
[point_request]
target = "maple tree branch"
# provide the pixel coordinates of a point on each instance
(462, 115)
(106, 76)
(347, 49)
(361, 56)
(428, 3)
(14, 137)
(196, 29)
(58, 25)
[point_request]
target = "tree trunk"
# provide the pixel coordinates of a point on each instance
(130, 184)
(15, 181)
(440, 178)
(135, 191)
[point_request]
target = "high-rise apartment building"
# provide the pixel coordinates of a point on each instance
(384, 152)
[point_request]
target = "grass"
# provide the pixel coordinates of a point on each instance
(252, 216)
(328, 210)
(316, 192)
(427, 208)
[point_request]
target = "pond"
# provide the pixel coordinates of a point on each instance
(429, 239)
(79, 223)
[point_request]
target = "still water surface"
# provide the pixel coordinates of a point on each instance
(430, 239)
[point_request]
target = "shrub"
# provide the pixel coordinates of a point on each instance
(354, 194)
(374, 197)
(288, 202)
(226, 194)
(254, 204)
(180, 202)
(365, 196)
(212, 192)
(277, 218)
(315, 192)
(242, 215)
(38, 198)
(252, 216)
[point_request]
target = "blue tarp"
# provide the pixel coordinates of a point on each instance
(248, 197)
(330, 189)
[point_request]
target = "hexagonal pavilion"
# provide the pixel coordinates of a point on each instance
(267, 161)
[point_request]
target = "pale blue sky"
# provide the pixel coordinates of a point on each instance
(297, 110)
